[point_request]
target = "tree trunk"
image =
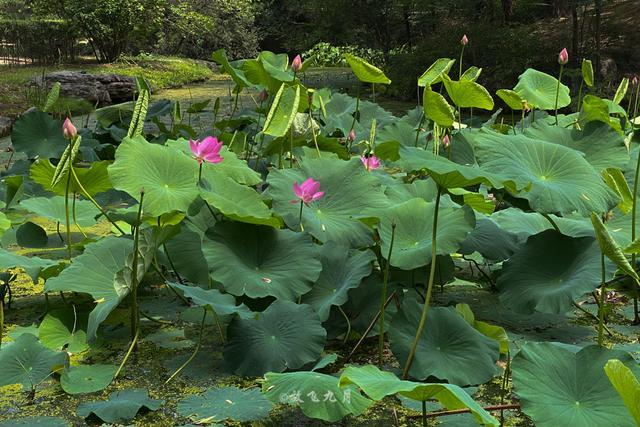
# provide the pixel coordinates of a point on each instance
(507, 10)
(598, 12)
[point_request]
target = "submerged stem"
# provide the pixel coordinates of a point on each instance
(432, 272)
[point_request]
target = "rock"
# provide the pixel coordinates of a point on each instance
(5, 126)
(95, 88)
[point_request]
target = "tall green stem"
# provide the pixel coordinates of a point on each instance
(635, 107)
(300, 215)
(558, 91)
(461, 56)
(383, 295)
(634, 213)
(135, 313)
(603, 295)
(580, 95)
(432, 273)
(195, 352)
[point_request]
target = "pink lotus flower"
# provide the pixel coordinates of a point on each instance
(307, 192)
(263, 96)
(296, 64)
(352, 135)
(446, 142)
(68, 129)
(208, 150)
(563, 57)
(371, 162)
(464, 41)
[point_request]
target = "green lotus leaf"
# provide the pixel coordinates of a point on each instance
(434, 73)
(227, 403)
(26, 361)
(471, 74)
(54, 209)
(168, 178)
(237, 75)
(602, 147)
(626, 384)
(401, 132)
(596, 109)
(94, 179)
(437, 108)
(587, 72)
(213, 299)
(185, 252)
(561, 179)
(492, 331)
(31, 235)
(32, 265)
(35, 421)
(525, 224)
(621, 92)
(539, 90)
(426, 189)
(318, 395)
(94, 272)
(491, 241)
(350, 194)
(550, 272)
(37, 134)
(468, 94)
(511, 98)
(557, 386)
(448, 174)
(64, 328)
(447, 347)
(342, 269)
(260, 261)
(283, 111)
(5, 223)
(611, 249)
(616, 180)
(284, 336)
(238, 202)
(277, 65)
(414, 220)
(87, 378)
(366, 72)
(121, 407)
(378, 384)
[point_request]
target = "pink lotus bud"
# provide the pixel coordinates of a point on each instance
(263, 96)
(446, 142)
(634, 80)
(563, 56)
(68, 129)
(464, 41)
(352, 135)
(296, 64)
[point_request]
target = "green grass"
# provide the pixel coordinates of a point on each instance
(162, 73)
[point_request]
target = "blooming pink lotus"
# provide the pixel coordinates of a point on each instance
(68, 129)
(464, 41)
(296, 64)
(206, 151)
(563, 56)
(370, 162)
(307, 192)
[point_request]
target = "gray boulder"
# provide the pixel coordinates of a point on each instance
(95, 88)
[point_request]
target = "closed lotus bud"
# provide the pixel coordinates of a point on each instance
(464, 41)
(352, 135)
(68, 129)
(446, 142)
(296, 64)
(563, 56)
(634, 81)
(263, 96)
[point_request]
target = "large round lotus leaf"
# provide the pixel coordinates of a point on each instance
(447, 347)
(525, 224)
(284, 336)
(626, 384)
(31, 235)
(602, 146)
(32, 265)
(25, 361)
(468, 94)
(94, 273)
(539, 90)
(185, 251)
(37, 134)
(228, 403)
(87, 378)
(398, 192)
(401, 132)
(550, 272)
(35, 421)
(64, 328)
(94, 179)
(54, 209)
(318, 395)
(238, 202)
(559, 387)
(213, 299)
(561, 179)
(121, 407)
(435, 71)
(366, 72)
(169, 178)
(260, 261)
(342, 269)
(448, 174)
(414, 221)
(350, 194)
(491, 241)
(377, 384)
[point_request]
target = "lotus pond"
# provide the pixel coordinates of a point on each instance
(307, 257)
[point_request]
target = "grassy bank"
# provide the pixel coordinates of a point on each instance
(162, 72)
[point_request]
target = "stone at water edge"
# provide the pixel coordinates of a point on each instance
(101, 88)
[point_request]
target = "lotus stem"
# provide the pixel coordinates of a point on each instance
(66, 213)
(300, 216)
(346, 318)
(373, 91)
(383, 295)
(503, 386)
(134, 343)
(580, 94)
(200, 175)
(432, 273)
(553, 223)
(195, 352)
(460, 65)
(603, 296)
(558, 91)
(313, 132)
(424, 413)
(135, 314)
(419, 126)
(634, 214)
(1, 319)
(637, 101)
(369, 328)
